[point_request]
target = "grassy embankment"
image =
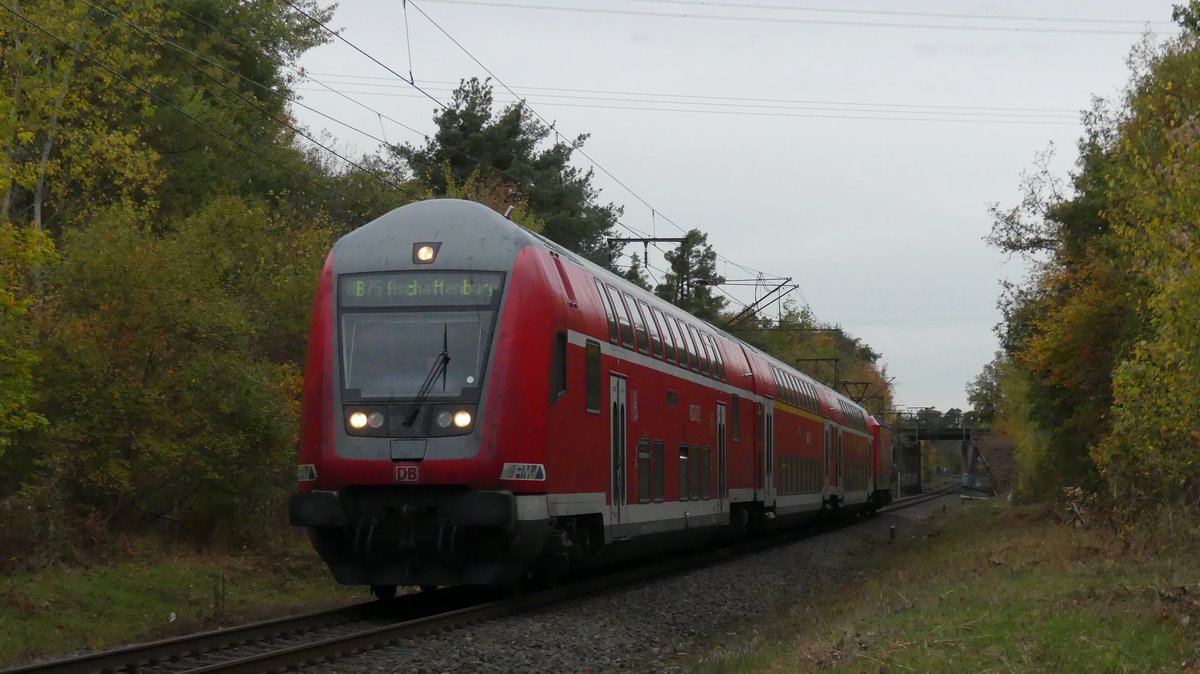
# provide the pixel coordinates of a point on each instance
(154, 593)
(989, 588)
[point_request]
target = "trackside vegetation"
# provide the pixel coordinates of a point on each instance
(151, 592)
(987, 587)
(1098, 377)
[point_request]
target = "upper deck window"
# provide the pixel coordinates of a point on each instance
(667, 339)
(608, 312)
(694, 352)
(639, 324)
(622, 317)
(655, 335)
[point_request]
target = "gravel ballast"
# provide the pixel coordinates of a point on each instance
(650, 627)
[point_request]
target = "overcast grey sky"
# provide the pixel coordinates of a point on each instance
(853, 146)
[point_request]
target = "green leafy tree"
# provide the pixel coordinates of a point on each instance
(232, 65)
(636, 274)
(691, 276)
(70, 135)
(510, 148)
(984, 394)
(171, 385)
(22, 251)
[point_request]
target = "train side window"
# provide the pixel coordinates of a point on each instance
(652, 326)
(737, 417)
(639, 325)
(643, 468)
(706, 358)
(668, 338)
(697, 458)
(683, 472)
(608, 311)
(684, 347)
(623, 322)
(592, 383)
(720, 362)
(693, 350)
(657, 458)
(558, 367)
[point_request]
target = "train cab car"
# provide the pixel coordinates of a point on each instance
(422, 453)
(480, 405)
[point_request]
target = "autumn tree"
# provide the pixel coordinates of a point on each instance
(70, 138)
(22, 251)
(1101, 341)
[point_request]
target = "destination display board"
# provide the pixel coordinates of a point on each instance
(419, 289)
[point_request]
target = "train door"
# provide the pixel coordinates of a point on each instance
(829, 481)
(841, 472)
(618, 442)
(759, 432)
(721, 486)
(769, 461)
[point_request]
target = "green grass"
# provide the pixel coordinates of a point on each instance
(155, 594)
(992, 589)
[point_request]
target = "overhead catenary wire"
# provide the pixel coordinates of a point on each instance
(430, 96)
(159, 99)
(742, 18)
(388, 82)
(805, 115)
(548, 124)
(889, 12)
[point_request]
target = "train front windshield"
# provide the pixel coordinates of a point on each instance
(421, 333)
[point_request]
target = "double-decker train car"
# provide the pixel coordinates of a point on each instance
(480, 404)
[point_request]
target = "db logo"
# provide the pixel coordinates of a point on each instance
(408, 473)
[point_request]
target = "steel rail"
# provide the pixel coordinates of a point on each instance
(132, 657)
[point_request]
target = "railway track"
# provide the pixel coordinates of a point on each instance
(286, 643)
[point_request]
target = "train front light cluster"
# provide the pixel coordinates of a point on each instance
(367, 420)
(398, 420)
(459, 418)
(361, 420)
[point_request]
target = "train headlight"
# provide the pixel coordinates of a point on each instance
(369, 420)
(425, 252)
(452, 419)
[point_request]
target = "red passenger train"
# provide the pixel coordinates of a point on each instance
(481, 404)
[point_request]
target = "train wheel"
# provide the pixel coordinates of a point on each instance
(384, 592)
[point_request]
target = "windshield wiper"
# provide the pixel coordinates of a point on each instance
(440, 367)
